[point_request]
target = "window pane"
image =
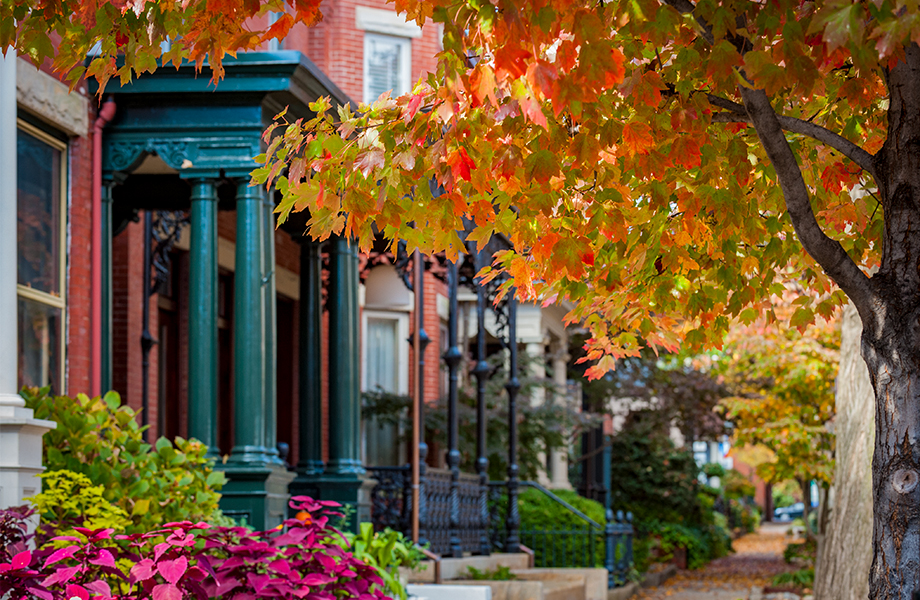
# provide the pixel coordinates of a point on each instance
(382, 355)
(39, 344)
(384, 66)
(38, 219)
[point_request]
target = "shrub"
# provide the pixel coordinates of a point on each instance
(386, 551)
(803, 578)
(101, 439)
(14, 531)
(70, 500)
(541, 514)
(500, 573)
(188, 560)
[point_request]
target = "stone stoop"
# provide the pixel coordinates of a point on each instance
(530, 584)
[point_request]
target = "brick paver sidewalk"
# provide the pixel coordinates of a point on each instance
(758, 557)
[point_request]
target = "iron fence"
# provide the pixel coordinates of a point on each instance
(590, 544)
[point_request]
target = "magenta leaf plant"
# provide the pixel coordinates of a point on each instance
(303, 559)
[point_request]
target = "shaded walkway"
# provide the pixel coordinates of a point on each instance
(758, 557)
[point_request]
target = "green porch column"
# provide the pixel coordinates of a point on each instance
(269, 300)
(106, 215)
(344, 361)
(344, 479)
(257, 491)
(310, 455)
(202, 322)
(248, 331)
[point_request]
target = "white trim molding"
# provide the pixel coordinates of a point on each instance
(385, 21)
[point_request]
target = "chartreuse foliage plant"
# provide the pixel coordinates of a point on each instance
(386, 551)
(667, 166)
(100, 439)
(186, 560)
(71, 500)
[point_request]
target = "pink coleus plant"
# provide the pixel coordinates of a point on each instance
(304, 559)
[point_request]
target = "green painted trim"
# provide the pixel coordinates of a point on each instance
(271, 330)
(281, 71)
(202, 321)
(310, 459)
(248, 332)
(344, 359)
(258, 494)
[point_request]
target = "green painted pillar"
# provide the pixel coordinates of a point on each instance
(248, 331)
(202, 322)
(106, 214)
(269, 300)
(344, 361)
(310, 455)
(257, 490)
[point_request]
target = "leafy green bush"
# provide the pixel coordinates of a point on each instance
(500, 573)
(658, 482)
(71, 500)
(540, 515)
(803, 578)
(385, 551)
(101, 439)
(801, 553)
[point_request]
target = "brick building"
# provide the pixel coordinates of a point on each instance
(151, 267)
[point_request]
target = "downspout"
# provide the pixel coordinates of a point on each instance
(106, 113)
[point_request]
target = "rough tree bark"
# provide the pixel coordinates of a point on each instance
(846, 552)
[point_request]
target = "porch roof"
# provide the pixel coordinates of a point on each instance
(200, 129)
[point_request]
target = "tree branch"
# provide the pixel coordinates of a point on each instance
(738, 114)
(686, 7)
(827, 252)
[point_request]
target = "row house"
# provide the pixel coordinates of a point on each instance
(137, 257)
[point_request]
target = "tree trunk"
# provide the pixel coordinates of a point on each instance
(888, 304)
(846, 554)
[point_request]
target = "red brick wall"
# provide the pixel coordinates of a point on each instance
(287, 252)
(79, 266)
(127, 317)
(337, 47)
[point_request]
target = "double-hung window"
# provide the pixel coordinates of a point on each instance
(387, 63)
(41, 236)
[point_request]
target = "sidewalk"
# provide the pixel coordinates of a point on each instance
(758, 557)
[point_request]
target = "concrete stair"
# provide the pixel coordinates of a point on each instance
(529, 583)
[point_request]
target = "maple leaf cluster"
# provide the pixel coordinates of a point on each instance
(126, 38)
(607, 141)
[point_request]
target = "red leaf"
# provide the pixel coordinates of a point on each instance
(76, 591)
(60, 576)
(173, 570)
(316, 579)
(21, 560)
(166, 591)
(143, 570)
(99, 587)
(104, 559)
(61, 554)
(637, 137)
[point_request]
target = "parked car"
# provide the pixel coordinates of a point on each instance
(789, 513)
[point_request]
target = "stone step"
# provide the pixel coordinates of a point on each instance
(564, 590)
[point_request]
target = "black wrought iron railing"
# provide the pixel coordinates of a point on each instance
(391, 506)
(588, 544)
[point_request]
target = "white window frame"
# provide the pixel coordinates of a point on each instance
(29, 293)
(402, 344)
(405, 49)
